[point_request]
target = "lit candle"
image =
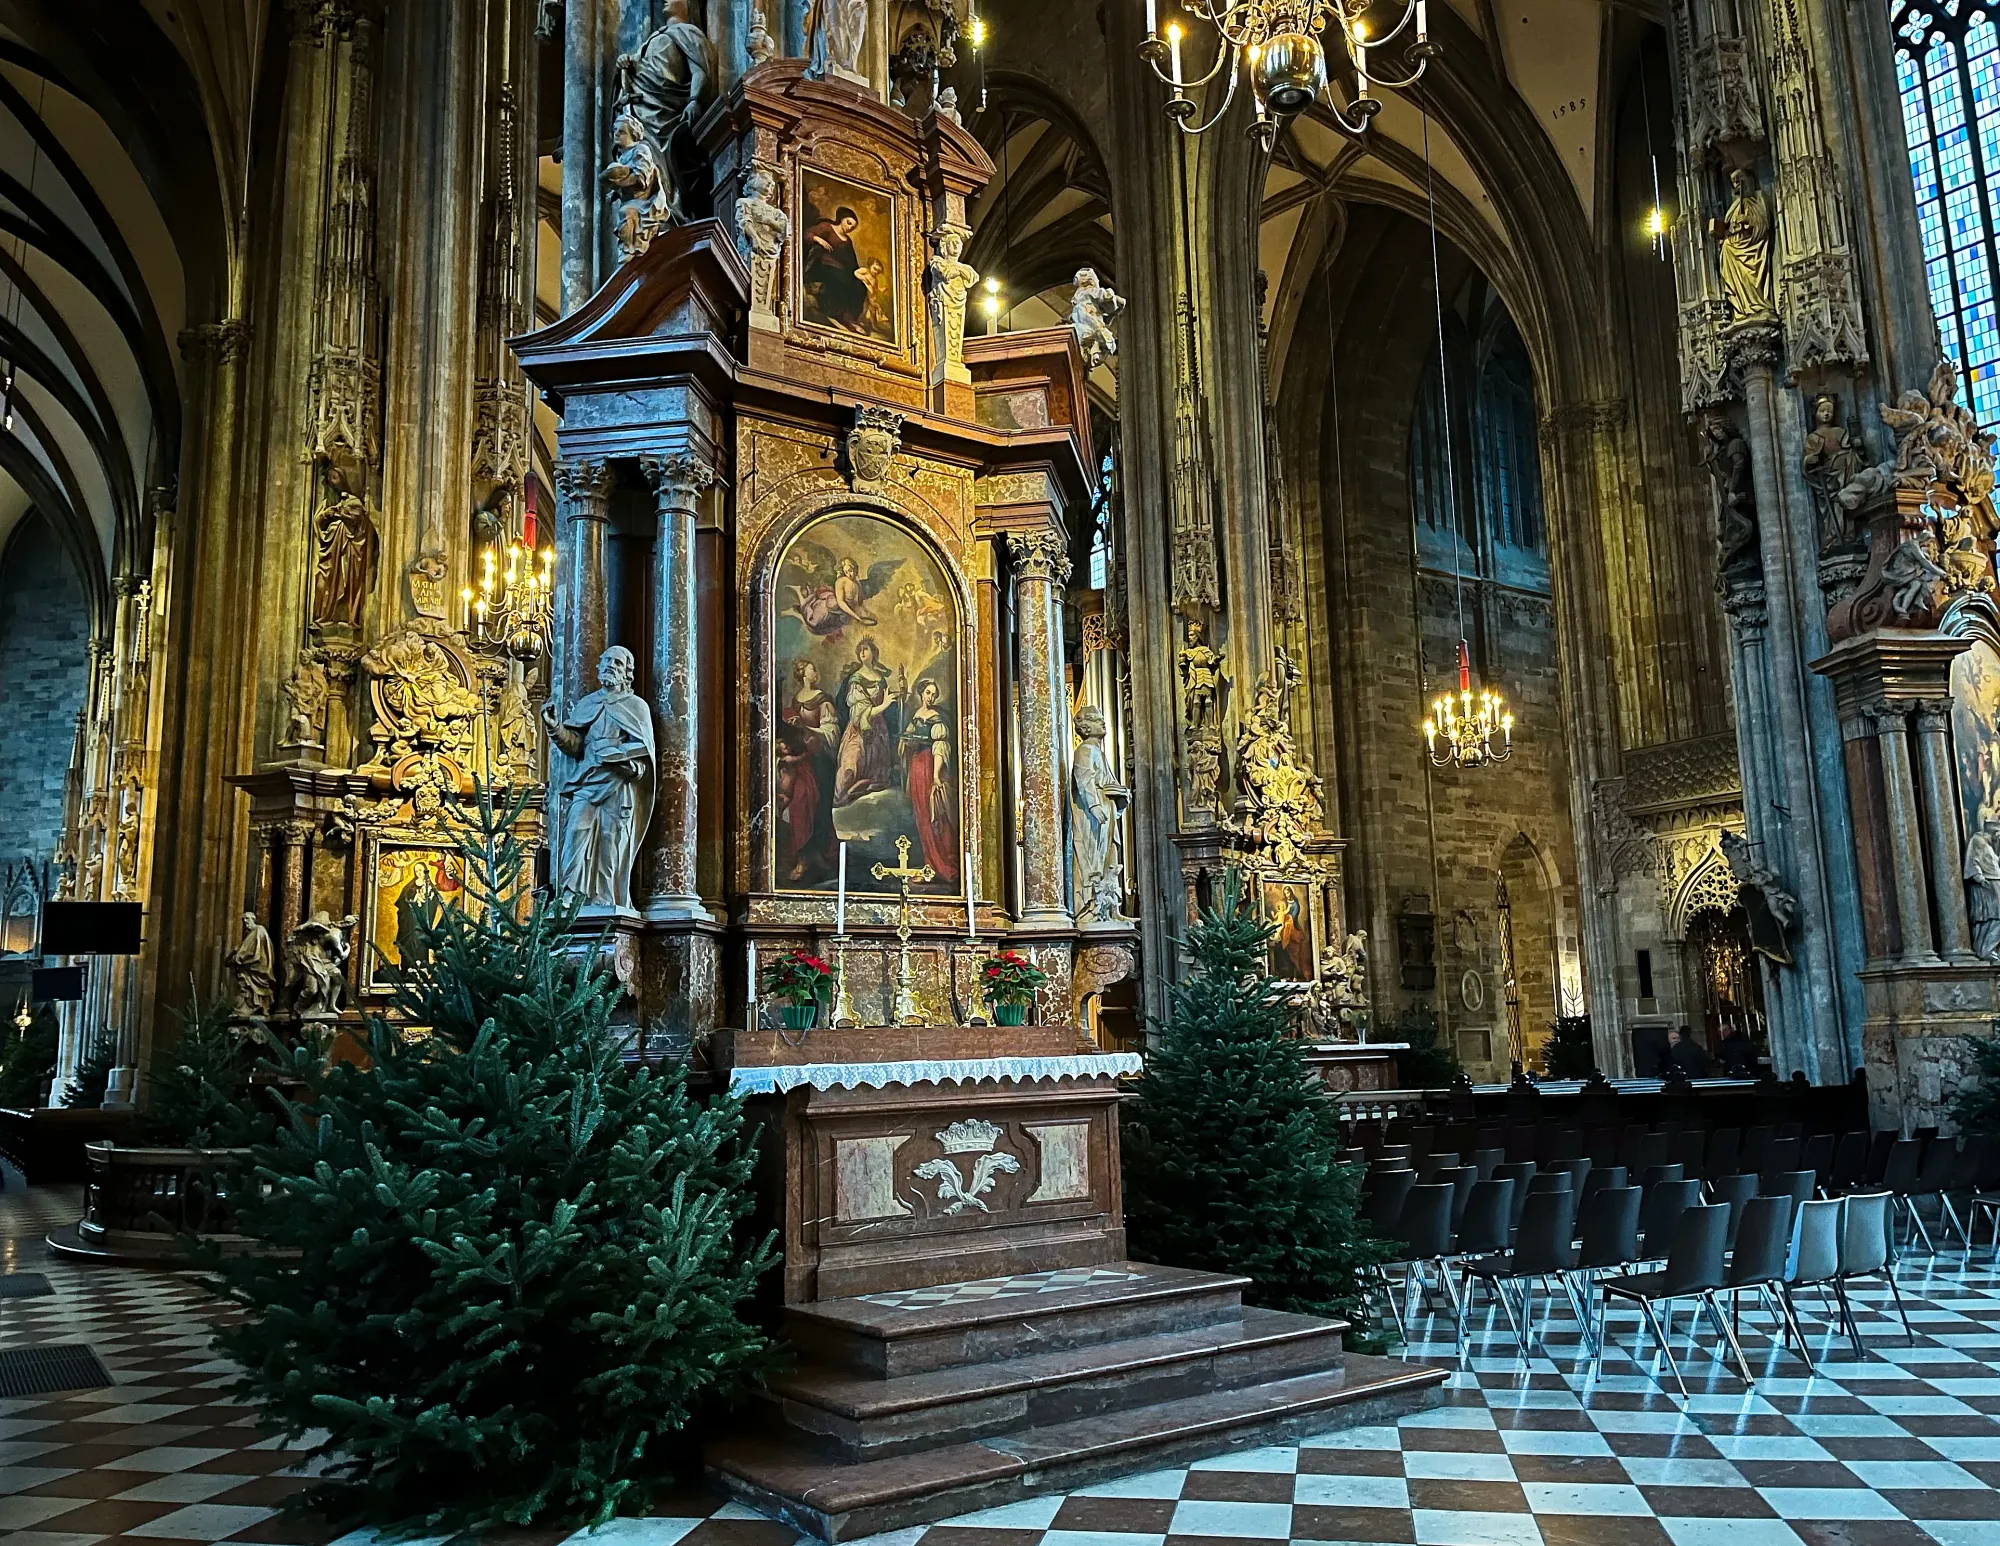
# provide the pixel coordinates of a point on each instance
(1360, 60)
(1174, 53)
(1152, 17)
(840, 906)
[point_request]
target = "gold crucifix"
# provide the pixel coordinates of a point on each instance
(908, 1010)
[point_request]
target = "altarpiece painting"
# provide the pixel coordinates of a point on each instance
(868, 696)
(847, 256)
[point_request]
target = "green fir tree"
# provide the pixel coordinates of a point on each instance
(506, 1266)
(1232, 1148)
(1976, 1104)
(1568, 1054)
(85, 1089)
(28, 1058)
(199, 1091)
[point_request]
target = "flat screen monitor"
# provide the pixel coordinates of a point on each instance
(56, 984)
(91, 928)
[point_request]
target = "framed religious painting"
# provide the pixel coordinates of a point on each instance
(404, 879)
(868, 708)
(847, 257)
(1292, 909)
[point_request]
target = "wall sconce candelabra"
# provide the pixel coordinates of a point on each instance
(1279, 47)
(513, 608)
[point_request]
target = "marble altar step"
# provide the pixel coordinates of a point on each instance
(856, 1417)
(912, 1331)
(838, 1501)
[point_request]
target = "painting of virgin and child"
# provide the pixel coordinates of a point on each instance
(867, 741)
(847, 257)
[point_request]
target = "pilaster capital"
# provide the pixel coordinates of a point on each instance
(1933, 714)
(1885, 716)
(678, 479)
(1748, 613)
(299, 833)
(1039, 555)
(217, 342)
(583, 486)
(1754, 346)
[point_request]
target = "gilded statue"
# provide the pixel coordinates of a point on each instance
(250, 983)
(1744, 235)
(1096, 800)
(343, 553)
(639, 189)
(608, 805)
(949, 280)
(1982, 881)
(316, 955)
(1727, 457)
(1092, 305)
(1201, 678)
(665, 86)
(1829, 463)
(1285, 799)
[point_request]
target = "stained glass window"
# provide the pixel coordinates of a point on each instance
(1948, 72)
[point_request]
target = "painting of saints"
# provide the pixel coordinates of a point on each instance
(862, 608)
(1975, 723)
(809, 726)
(928, 777)
(1289, 908)
(868, 711)
(847, 257)
(411, 884)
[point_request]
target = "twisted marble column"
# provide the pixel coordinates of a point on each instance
(678, 481)
(1041, 567)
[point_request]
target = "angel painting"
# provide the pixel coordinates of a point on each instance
(827, 609)
(868, 729)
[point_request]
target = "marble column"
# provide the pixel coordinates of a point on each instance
(583, 66)
(678, 481)
(1891, 727)
(1041, 567)
(583, 505)
(1947, 860)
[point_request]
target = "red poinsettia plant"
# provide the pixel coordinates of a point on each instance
(797, 977)
(1011, 978)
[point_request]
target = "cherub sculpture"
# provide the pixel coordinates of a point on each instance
(639, 189)
(1092, 305)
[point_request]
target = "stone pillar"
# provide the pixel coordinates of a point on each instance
(678, 481)
(583, 510)
(1041, 567)
(583, 68)
(1935, 777)
(1890, 724)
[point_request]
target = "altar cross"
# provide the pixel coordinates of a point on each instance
(902, 869)
(908, 1010)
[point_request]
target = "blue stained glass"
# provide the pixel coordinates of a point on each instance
(1948, 77)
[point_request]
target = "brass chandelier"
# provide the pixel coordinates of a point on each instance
(1468, 729)
(1279, 48)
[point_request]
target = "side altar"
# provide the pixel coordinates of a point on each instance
(810, 694)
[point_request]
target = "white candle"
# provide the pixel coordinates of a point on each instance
(1174, 53)
(1423, 20)
(840, 907)
(971, 898)
(1152, 17)
(750, 995)
(1360, 68)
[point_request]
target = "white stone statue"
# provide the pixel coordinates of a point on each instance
(1982, 875)
(1091, 307)
(1096, 799)
(316, 955)
(759, 44)
(762, 229)
(248, 973)
(1339, 999)
(608, 805)
(949, 280)
(640, 192)
(947, 105)
(839, 30)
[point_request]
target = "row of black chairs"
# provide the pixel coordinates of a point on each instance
(1579, 1230)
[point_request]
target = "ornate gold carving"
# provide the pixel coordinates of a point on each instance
(1195, 584)
(424, 707)
(1284, 801)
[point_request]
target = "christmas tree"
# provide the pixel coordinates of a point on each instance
(512, 1263)
(1232, 1147)
(28, 1058)
(199, 1093)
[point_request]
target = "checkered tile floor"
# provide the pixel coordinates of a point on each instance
(997, 1288)
(1899, 1449)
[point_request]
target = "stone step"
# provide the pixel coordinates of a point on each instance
(891, 1335)
(858, 1417)
(837, 1502)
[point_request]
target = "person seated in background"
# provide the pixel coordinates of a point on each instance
(1684, 1055)
(1736, 1054)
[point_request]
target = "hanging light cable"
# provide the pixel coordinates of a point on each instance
(1469, 731)
(1656, 217)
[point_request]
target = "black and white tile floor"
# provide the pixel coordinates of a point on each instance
(1901, 1448)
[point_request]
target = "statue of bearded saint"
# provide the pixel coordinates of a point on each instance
(608, 804)
(665, 86)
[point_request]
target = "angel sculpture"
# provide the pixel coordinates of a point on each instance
(637, 187)
(826, 609)
(1092, 305)
(953, 1190)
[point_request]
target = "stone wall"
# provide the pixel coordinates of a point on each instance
(44, 674)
